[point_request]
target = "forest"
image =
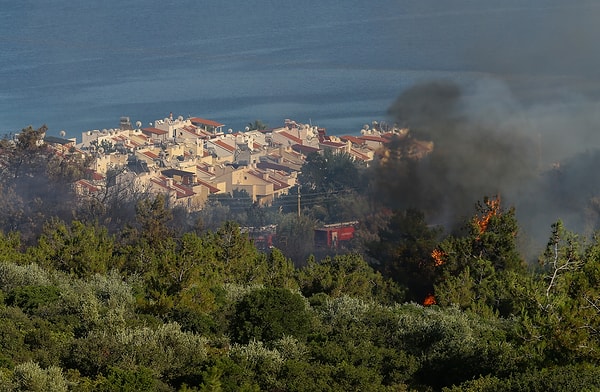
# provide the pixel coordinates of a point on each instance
(128, 294)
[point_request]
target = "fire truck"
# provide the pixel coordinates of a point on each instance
(334, 235)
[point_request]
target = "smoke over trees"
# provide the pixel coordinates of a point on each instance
(487, 142)
(34, 183)
(469, 159)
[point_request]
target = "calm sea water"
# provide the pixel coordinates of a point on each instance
(77, 66)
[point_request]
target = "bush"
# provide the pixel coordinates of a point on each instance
(269, 314)
(582, 377)
(30, 298)
(118, 379)
(30, 377)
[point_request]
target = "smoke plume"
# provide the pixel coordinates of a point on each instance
(539, 158)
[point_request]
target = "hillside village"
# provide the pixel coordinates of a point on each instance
(188, 159)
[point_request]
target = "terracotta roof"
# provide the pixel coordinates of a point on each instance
(181, 190)
(204, 169)
(189, 131)
(277, 185)
(291, 137)
(257, 174)
(224, 145)
(211, 188)
(134, 143)
(154, 131)
(373, 138)
(359, 155)
(203, 121)
(353, 139)
(88, 185)
(139, 139)
(97, 176)
(150, 154)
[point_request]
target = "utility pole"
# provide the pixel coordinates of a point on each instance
(298, 202)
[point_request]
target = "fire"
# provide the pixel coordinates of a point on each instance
(438, 257)
(429, 300)
(493, 209)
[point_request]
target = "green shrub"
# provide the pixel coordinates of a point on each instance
(30, 298)
(269, 314)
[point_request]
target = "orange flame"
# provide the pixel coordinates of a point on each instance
(438, 257)
(493, 210)
(429, 300)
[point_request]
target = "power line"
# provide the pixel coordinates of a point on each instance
(310, 200)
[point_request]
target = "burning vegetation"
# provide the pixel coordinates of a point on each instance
(438, 257)
(429, 300)
(491, 209)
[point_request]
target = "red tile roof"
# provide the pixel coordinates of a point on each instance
(189, 130)
(134, 143)
(203, 169)
(353, 139)
(211, 188)
(203, 121)
(297, 140)
(181, 190)
(374, 138)
(154, 131)
(150, 154)
(97, 176)
(224, 145)
(359, 155)
(277, 185)
(88, 185)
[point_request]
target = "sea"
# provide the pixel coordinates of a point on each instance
(81, 65)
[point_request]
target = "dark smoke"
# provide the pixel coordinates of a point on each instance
(524, 122)
(470, 158)
(541, 159)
